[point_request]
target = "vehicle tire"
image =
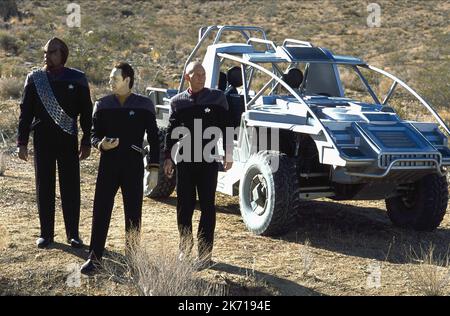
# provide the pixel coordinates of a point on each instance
(269, 198)
(165, 186)
(422, 207)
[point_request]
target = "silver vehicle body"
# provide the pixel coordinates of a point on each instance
(360, 144)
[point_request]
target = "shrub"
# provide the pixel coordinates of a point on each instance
(10, 88)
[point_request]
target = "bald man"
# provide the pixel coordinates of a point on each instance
(190, 108)
(53, 99)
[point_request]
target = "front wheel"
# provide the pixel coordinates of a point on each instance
(421, 205)
(268, 194)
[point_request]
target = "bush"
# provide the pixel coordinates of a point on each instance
(10, 88)
(432, 275)
(9, 43)
(158, 272)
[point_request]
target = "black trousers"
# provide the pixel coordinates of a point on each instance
(126, 172)
(53, 147)
(195, 178)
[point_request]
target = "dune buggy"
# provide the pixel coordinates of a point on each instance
(291, 105)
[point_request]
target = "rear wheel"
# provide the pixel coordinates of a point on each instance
(165, 186)
(421, 205)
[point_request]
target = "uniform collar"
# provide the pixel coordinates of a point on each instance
(54, 73)
(189, 90)
(127, 101)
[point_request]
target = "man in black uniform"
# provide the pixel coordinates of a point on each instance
(120, 121)
(53, 98)
(189, 108)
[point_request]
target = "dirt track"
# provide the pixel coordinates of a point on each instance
(327, 253)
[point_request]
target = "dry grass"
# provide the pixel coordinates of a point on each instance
(10, 87)
(10, 44)
(2, 162)
(3, 237)
(9, 118)
(431, 276)
(158, 272)
(307, 257)
(156, 40)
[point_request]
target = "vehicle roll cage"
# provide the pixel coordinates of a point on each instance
(275, 80)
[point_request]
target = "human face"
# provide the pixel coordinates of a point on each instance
(118, 85)
(53, 55)
(197, 78)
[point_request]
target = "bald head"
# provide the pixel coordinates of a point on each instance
(192, 66)
(195, 75)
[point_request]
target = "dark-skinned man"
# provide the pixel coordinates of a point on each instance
(120, 121)
(189, 109)
(53, 98)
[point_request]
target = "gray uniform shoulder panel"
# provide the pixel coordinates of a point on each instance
(213, 97)
(207, 96)
(142, 102)
(104, 103)
(136, 101)
(70, 74)
(77, 76)
(180, 101)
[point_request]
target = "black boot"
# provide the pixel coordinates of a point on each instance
(91, 266)
(75, 242)
(42, 242)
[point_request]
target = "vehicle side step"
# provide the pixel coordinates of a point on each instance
(313, 175)
(315, 189)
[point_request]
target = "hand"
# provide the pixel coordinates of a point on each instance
(227, 165)
(84, 152)
(108, 143)
(153, 178)
(22, 151)
(168, 168)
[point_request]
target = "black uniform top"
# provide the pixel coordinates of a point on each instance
(71, 89)
(208, 105)
(128, 122)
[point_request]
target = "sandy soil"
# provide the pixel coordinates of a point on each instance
(330, 251)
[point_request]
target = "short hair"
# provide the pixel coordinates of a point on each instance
(191, 67)
(127, 72)
(62, 47)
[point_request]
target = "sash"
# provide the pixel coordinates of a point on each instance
(51, 105)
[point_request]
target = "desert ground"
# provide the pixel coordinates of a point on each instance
(334, 248)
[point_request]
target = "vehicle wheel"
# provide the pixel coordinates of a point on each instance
(268, 198)
(422, 206)
(165, 186)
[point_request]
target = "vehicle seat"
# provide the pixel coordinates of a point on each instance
(293, 77)
(235, 101)
(222, 84)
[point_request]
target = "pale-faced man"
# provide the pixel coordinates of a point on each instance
(120, 121)
(53, 99)
(189, 108)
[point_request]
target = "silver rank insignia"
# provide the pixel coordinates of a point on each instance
(131, 113)
(71, 86)
(207, 110)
